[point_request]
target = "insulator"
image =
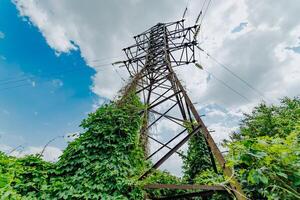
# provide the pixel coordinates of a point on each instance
(198, 17)
(199, 66)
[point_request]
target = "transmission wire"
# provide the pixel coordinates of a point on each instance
(228, 86)
(205, 12)
(227, 68)
(25, 77)
(46, 76)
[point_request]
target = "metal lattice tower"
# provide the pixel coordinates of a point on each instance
(150, 63)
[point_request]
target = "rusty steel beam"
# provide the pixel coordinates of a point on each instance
(154, 55)
(163, 100)
(160, 148)
(170, 153)
(237, 189)
(167, 116)
(184, 187)
(205, 195)
(161, 115)
(212, 145)
(159, 142)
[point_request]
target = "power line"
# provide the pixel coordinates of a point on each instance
(46, 76)
(107, 58)
(119, 74)
(29, 77)
(12, 78)
(228, 86)
(24, 76)
(18, 80)
(237, 76)
(199, 16)
(233, 73)
(17, 86)
(205, 12)
(33, 78)
(200, 13)
(186, 9)
(221, 81)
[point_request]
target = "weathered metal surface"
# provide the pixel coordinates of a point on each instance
(154, 55)
(184, 187)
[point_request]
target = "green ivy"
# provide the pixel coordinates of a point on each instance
(265, 154)
(103, 163)
(107, 159)
(197, 159)
(23, 178)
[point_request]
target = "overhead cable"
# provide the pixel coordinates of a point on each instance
(227, 68)
(36, 79)
(186, 9)
(228, 86)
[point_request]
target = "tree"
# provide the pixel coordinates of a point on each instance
(266, 152)
(271, 120)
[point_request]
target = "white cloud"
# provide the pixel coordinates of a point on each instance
(101, 29)
(50, 154)
(221, 133)
(55, 34)
(2, 57)
(257, 53)
(57, 83)
(2, 35)
(216, 113)
(249, 53)
(5, 148)
(5, 112)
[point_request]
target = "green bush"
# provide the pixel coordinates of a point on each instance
(266, 152)
(106, 161)
(103, 163)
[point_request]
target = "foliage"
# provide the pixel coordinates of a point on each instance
(106, 161)
(197, 166)
(209, 177)
(269, 167)
(197, 158)
(162, 177)
(271, 120)
(266, 154)
(24, 177)
(107, 158)
(103, 163)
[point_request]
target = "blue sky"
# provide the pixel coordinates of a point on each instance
(57, 96)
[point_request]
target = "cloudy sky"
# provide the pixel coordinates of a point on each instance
(55, 56)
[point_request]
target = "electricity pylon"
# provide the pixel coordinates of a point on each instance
(150, 63)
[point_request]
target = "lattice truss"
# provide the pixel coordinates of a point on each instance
(151, 61)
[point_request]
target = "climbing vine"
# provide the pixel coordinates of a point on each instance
(108, 158)
(103, 163)
(197, 159)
